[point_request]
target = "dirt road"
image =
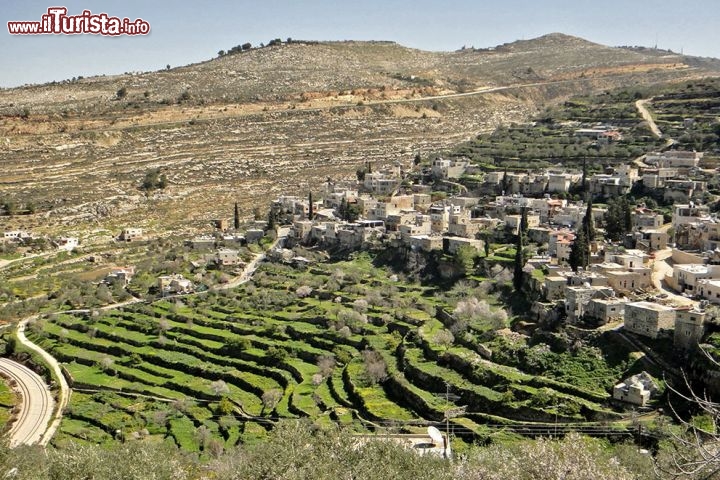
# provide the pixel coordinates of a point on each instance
(640, 105)
(661, 268)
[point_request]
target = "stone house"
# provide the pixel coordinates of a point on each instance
(709, 290)
(555, 287)
(689, 328)
(381, 183)
(120, 276)
(512, 222)
(174, 284)
(674, 159)
(453, 244)
(647, 318)
(449, 169)
(604, 310)
(630, 280)
(227, 257)
(578, 297)
(131, 234)
(689, 213)
(67, 244)
(686, 277)
(646, 219)
(254, 235)
(426, 242)
(637, 389)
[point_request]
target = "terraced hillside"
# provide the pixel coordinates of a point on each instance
(345, 342)
(271, 120)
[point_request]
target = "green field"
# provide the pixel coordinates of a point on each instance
(357, 349)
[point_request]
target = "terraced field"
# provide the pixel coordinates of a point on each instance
(355, 346)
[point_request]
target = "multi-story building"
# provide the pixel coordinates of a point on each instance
(648, 318)
(689, 328)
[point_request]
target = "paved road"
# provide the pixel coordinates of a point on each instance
(36, 407)
(32, 426)
(64, 392)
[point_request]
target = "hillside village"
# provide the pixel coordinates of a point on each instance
(656, 278)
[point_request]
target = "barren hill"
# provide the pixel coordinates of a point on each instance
(278, 119)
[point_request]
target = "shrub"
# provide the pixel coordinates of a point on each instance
(375, 367)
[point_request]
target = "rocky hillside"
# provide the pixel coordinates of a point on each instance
(276, 119)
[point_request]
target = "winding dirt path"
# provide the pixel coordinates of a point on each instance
(645, 113)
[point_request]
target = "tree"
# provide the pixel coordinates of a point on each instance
(588, 223)
(311, 214)
(580, 251)
(271, 398)
(618, 220)
(154, 180)
(326, 365)
(219, 387)
(375, 367)
(184, 96)
(465, 258)
(273, 218)
(221, 53)
(694, 453)
(523, 222)
(444, 338)
(236, 217)
(518, 274)
(121, 93)
(360, 174)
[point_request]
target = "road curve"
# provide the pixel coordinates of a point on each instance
(36, 404)
(64, 392)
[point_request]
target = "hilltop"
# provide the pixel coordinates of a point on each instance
(253, 124)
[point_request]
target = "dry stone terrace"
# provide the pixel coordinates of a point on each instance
(212, 163)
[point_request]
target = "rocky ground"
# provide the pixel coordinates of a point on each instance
(278, 120)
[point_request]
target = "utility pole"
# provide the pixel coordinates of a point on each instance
(447, 415)
(556, 417)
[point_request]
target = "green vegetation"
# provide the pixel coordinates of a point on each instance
(550, 139)
(341, 342)
(154, 179)
(296, 450)
(697, 101)
(8, 400)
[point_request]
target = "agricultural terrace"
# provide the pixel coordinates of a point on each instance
(345, 343)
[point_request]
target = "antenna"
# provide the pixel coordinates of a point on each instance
(436, 436)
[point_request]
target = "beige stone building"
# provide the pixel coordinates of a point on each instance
(689, 328)
(647, 318)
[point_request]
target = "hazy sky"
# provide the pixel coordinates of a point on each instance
(184, 31)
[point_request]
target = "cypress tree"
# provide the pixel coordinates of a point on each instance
(580, 251)
(311, 214)
(237, 217)
(626, 215)
(523, 222)
(588, 223)
(343, 209)
(518, 274)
